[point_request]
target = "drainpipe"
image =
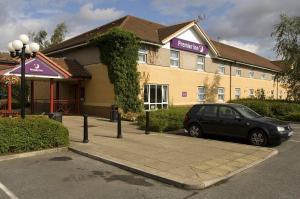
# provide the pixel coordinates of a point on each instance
(277, 87)
(230, 74)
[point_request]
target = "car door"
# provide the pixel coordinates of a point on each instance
(231, 123)
(208, 119)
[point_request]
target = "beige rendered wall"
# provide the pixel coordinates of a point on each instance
(182, 80)
(84, 55)
(98, 90)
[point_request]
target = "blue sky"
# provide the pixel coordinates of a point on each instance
(243, 23)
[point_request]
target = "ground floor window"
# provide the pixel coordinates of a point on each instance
(155, 96)
(201, 93)
(220, 94)
(251, 93)
(237, 93)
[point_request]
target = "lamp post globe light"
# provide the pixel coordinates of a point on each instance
(23, 50)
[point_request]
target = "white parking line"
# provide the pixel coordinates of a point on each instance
(7, 191)
(294, 140)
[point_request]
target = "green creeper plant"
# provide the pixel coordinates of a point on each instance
(119, 52)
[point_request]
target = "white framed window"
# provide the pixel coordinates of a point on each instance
(251, 74)
(174, 58)
(200, 63)
(156, 96)
(142, 54)
(221, 70)
(263, 76)
(251, 92)
(221, 94)
(237, 93)
(201, 93)
(238, 72)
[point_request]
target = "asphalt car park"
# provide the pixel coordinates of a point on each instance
(67, 175)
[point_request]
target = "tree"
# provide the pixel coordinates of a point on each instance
(41, 37)
(287, 34)
(211, 90)
(59, 33)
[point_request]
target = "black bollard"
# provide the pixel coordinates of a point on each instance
(147, 131)
(119, 126)
(85, 129)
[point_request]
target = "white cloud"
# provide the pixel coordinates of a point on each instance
(245, 46)
(19, 17)
(88, 12)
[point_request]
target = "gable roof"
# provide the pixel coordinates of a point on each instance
(67, 67)
(165, 32)
(243, 56)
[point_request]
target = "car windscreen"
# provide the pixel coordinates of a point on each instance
(247, 112)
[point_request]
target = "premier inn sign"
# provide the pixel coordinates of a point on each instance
(189, 46)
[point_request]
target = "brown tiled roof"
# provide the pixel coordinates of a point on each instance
(72, 66)
(145, 30)
(84, 37)
(5, 58)
(154, 32)
(169, 30)
(237, 54)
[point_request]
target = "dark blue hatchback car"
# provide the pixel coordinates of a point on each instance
(237, 121)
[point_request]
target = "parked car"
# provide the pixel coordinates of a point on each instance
(237, 121)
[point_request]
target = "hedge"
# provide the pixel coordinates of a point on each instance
(164, 119)
(281, 109)
(30, 134)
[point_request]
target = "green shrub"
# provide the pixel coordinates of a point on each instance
(295, 116)
(30, 134)
(164, 119)
(271, 108)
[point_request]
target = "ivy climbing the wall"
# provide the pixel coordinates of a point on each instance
(119, 52)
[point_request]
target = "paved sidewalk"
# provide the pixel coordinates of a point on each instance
(179, 160)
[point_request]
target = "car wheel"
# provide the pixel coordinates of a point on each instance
(195, 130)
(258, 138)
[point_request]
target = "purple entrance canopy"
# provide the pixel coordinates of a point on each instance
(189, 46)
(36, 68)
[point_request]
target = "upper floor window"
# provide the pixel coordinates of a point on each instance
(174, 58)
(238, 72)
(142, 54)
(221, 70)
(201, 93)
(263, 76)
(220, 94)
(251, 73)
(237, 93)
(200, 63)
(273, 78)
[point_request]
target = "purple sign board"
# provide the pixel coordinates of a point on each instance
(189, 46)
(36, 67)
(183, 94)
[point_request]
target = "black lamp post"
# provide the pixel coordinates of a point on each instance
(22, 49)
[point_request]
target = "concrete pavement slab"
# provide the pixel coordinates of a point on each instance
(179, 160)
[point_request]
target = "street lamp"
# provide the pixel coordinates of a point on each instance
(22, 49)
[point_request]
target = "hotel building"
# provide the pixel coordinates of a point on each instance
(176, 63)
